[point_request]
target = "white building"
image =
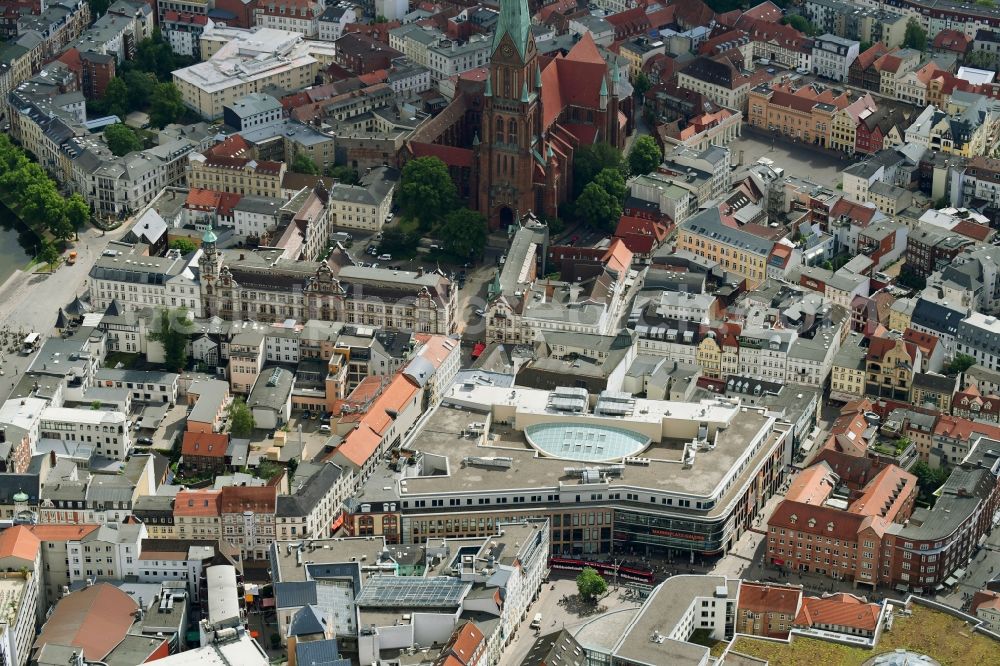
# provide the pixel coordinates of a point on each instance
(333, 20)
(107, 432)
(365, 206)
(256, 216)
(19, 594)
(109, 552)
(253, 111)
(138, 282)
(301, 16)
(147, 386)
(832, 56)
(313, 502)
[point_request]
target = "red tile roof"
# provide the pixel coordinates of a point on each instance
(840, 610)
(197, 503)
(450, 155)
(62, 532)
(973, 230)
(765, 11)
(94, 619)
(258, 499)
(762, 598)
(205, 444)
(870, 55)
(19, 542)
(203, 199)
(952, 40)
(359, 445)
(573, 80)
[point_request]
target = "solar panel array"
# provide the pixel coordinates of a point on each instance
(406, 592)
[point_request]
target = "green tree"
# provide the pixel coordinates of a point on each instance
(115, 99)
(928, 480)
(379, 18)
(241, 423)
(980, 59)
(589, 161)
(343, 174)
(641, 85)
(464, 232)
(598, 208)
(121, 139)
(140, 88)
(98, 7)
(426, 191)
(800, 23)
(77, 211)
(302, 163)
(590, 584)
(645, 156)
(943, 201)
(166, 105)
(915, 37)
(172, 332)
(47, 253)
(612, 181)
(960, 363)
(396, 242)
(186, 246)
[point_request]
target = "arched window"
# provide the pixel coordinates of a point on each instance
(499, 122)
(512, 132)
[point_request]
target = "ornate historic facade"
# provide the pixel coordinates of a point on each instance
(256, 286)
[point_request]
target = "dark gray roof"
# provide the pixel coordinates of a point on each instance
(936, 317)
(295, 593)
(307, 620)
(11, 484)
(305, 495)
(708, 223)
(319, 653)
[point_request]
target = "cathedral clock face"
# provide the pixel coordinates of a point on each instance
(507, 51)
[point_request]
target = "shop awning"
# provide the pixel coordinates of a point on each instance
(901, 588)
(478, 349)
(959, 573)
(950, 580)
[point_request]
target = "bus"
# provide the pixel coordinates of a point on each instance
(606, 569)
(31, 342)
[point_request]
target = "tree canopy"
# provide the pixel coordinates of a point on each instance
(645, 156)
(641, 85)
(186, 246)
(598, 208)
(801, 23)
(47, 253)
(588, 161)
(33, 195)
(343, 173)
(171, 332)
(980, 59)
(241, 422)
(121, 139)
(916, 36)
(590, 584)
(166, 105)
(302, 163)
(426, 191)
(464, 233)
(960, 363)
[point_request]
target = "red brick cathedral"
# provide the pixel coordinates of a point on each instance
(533, 111)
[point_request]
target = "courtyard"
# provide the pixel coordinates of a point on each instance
(797, 159)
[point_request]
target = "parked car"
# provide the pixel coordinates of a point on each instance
(145, 441)
(385, 257)
(480, 312)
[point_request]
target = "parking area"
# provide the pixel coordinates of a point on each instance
(795, 158)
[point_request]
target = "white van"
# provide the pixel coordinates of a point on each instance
(536, 622)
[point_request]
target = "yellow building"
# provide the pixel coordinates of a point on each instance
(847, 374)
(844, 124)
(229, 167)
(901, 314)
(737, 251)
(889, 368)
(805, 114)
(709, 358)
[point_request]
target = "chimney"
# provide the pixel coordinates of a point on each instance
(52, 458)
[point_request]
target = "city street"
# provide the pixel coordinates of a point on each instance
(559, 613)
(29, 301)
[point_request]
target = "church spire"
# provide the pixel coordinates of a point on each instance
(515, 20)
(524, 91)
(489, 85)
(538, 77)
(604, 93)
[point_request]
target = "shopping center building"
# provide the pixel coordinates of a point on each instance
(607, 470)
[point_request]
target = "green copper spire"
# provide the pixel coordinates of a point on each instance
(515, 19)
(209, 236)
(524, 91)
(475, 139)
(489, 86)
(604, 87)
(538, 77)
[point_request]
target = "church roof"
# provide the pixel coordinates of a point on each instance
(515, 19)
(575, 79)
